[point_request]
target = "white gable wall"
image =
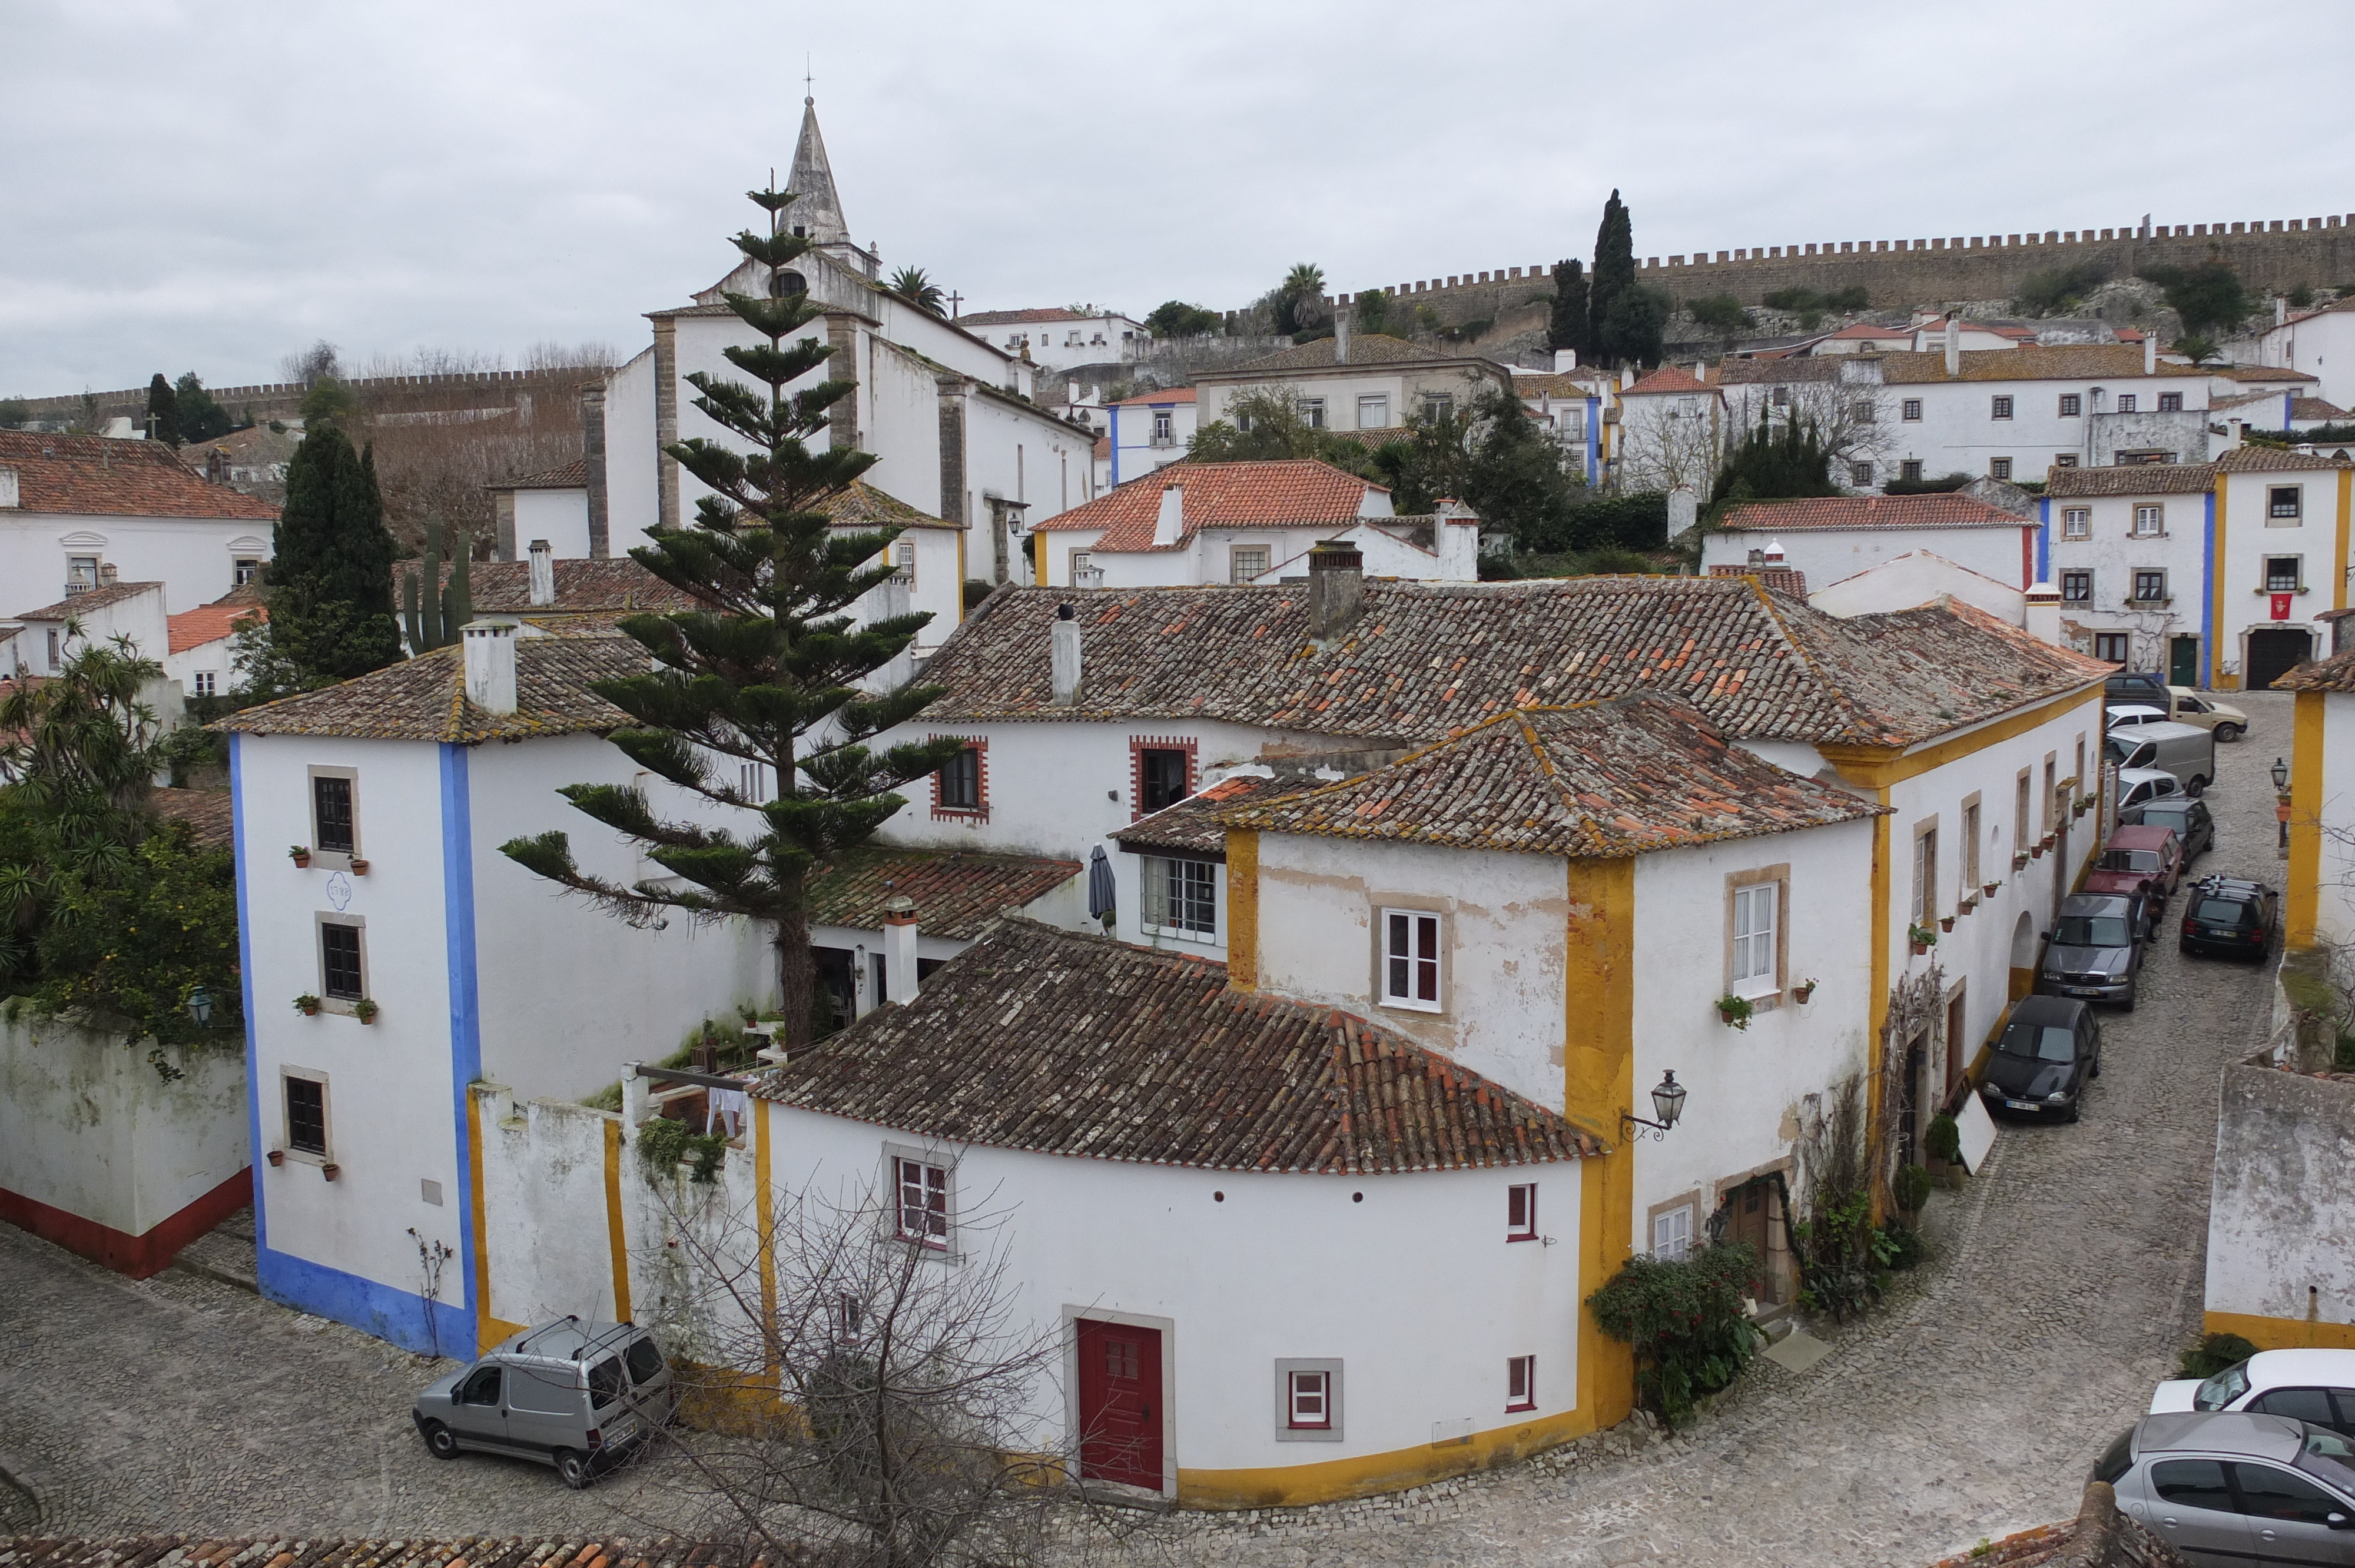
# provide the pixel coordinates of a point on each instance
(560, 517)
(2002, 552)
(194, 558)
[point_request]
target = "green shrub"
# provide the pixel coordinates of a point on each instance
(2300, 296)
(1855, 297)
(1938, 486)
(1634, 522)
(1722, 312)
(1899, 1245)
(664, 1141)
(2212, 1354)
(1685, 1322)
(1912, 1188)
(2059, 288)
(1801, 300)
(1840, 1268)
(976, 590)
(1943, 1138)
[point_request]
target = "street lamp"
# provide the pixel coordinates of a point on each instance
(1667, 1104)
(2281, 775)
(2281, 799)
(200, 1007)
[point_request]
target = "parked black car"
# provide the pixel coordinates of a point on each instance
(2230, 918)
(2138, 686)
(2094, 951)
(2049, 1048)
(2194, 825)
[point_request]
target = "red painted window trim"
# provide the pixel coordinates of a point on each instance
(1527, 1230)
(1138, 745)
(1291, 1403)
(980, 813)
(1528, 1395)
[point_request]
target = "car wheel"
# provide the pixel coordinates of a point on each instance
(573, 1469)
(2128, 1005)
(2095, 1070)
(2228, 733)
(439, 1441)
(2197, 788)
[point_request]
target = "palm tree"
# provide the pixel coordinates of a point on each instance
(1300, 302)
(915, 286)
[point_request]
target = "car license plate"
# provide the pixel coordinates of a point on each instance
(2020, 1105)
(624, 1430)
(2084, 990)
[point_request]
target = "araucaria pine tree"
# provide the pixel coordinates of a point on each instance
(767, 668)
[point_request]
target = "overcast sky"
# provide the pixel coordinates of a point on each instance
(208, 186)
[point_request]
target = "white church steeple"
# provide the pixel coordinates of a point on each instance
(818, 211)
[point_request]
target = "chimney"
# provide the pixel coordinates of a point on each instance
(899, 948)
(1953, 348)
(490, 665)
(1772, 554)
(1565, 360)
(1169, 526)
(1456, 542)
(1341, 334)
(2281, 309)
(1336, 587)
(2040, 613)
(543, 573)
(2150, 353)
(10, 496)
(2338, 632)
(1063, 656)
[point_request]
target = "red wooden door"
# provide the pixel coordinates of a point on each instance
(1120, 1404)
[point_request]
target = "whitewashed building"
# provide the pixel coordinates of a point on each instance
(1356, 381)
(1058, 338)
(1830, 539)
(1567, 404)
(2319, 342)
(1148, 432)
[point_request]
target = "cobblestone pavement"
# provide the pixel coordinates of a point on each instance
(2064, 1280)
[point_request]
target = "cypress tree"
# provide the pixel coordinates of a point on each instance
(330, 576)
(1614, 273)
(1567, 327)
(767, 667)
(163, 411)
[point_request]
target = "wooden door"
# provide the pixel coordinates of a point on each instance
(1120, 1404)
(1751, 1215)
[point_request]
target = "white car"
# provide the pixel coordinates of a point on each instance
(2137, 785)
(2229, 723)
(2305, 1385)
(2124, 714)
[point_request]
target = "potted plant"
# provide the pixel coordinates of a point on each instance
(1734, 1010)
(1946, 922)
(1803, 992)
(299, 854)
(1921, 937)
(331, 1169)
(359, 867)
(1991, 888)
(1943, 1141)
(1968, 902)
(307, 1005)
(2048, 840)
(2036, 849)
(364, 1010)
(2019, 860)
(277, 1157)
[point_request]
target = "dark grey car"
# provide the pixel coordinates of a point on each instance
(2190, 819)
(2093, 952)
(2236, 1488)
(2049, 1049)
(579, 1396)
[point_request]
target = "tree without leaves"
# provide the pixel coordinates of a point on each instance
(766, 668)
(163, 412)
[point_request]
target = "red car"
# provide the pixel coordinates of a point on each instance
(2138, 860)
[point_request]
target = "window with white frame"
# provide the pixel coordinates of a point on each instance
(1411, 960)
(1312, 412)
(903, 564)
(1084, 565)
(1521, 1211)
(2000, 406)
(1246, 562)
(1308, 1399)
(244, 569)
(1757, 917)
(1437, 406)
(2149, 520)
(1672, 1234)
(207, 684)
(1925, 875)
(1164, 427)
(2284, 502)
(1182, 896)
(2076, 521)
(1971, 845)
(921, 1203)
(1521, 1382)
(1374, 412)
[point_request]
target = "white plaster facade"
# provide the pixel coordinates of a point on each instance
(1072, 339)
(45, 556)
(1148, 432)
(2003, 552)
(2321, 344)
(1916, 577)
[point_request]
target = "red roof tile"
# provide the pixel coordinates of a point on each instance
(574, 475)
(956, 892)
(97, 476)
(84, 603)
(1019, 318)
(1292, 491)
(1174, 395)
(1943, 511)
(1782, 579)
(210, 623)
(1666, 378)
(1191, 826)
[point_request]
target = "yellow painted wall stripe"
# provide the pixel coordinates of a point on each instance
(1878, 766)
(2346, 516)
(1295, 1486)
(483, 1338)
(2304, 896)
(1599, 1083)
(1038, 559)
(764, 1200)
(1243, 909)
(614, 1219)
(2282, 1334)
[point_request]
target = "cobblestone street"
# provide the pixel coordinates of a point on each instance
(2063, 1282)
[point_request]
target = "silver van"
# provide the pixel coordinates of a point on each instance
(2182, 749)
(579, 1396)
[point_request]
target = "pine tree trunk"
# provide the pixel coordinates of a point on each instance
(796, 976)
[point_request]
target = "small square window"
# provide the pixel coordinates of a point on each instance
(1438, 407)
(922, 1202)
(2076, 523)
(1672, 1234)
(244, 570)
(2281, 574)
(1521, 1211)
(1373, 413)
(2127, 403)
(2150, 586)
(959, 781)
(1310, 1401)
(1411, 960)
(1312, 412)
(1864, 411)
(2077, 587)
(1910, 470)
(1999, 468)
(2064, 460)
(2071, 405)
(2171, 402)
(207, 684)
(343, 973)
(1910, 410)
(1246, 562)
(1859, 474)
(2112, 646)
(2149, 522)
(2285, 501)
(1521, 1382)
(306, 1114)
(1999, 408)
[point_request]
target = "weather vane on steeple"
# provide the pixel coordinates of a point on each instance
(809, 84)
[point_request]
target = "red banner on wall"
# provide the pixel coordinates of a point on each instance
(2281, 606)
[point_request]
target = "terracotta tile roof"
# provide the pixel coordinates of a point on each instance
(1782, 579)
(1939, 511)
(1104, 447)
(957, 893)
(1666, 378)
(1866, 329)
(1019, 318)
(1605, 780)
(865, 506)
(2257, 371)
(1192, 827)
(1173, 395)
(84, 603)
(1424, 660)
(97, 476)
(2133, 478)
(209, 623)
(2316, 409)
(574, 475)
(2030, 362)
(208, 813)
(425, 698)
(1104, 1051)
(316, 1551)
(2267, 460)
(2336, 673)
(1291, 491)
(615, 586)
(1365, 348)
(1554, 382)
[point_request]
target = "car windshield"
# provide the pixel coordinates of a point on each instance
(2129, 860)
(2038, 1041)
(2091, 931)
(2328, 1457)
(2223, 1388)
(2220, 912)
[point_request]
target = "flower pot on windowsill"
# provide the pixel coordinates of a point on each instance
(331, 1169)
(300, 856)
(1803, 992)
(1734, 1011)
(307, 1005)
(2036, 849)
(2020, 860)
(2049, 840)
(1967, 902)
(277, 1157)
(364, 1010)
(359, 868)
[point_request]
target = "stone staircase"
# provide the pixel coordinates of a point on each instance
(224, 1253)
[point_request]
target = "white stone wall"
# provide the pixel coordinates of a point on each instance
(2335, 895)
(2281, 1217)
(558, 516)
(193, 558)
(1915, 579)
(631, 503)
(2003, 553)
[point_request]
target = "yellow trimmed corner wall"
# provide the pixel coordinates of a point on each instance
(1336, 1480)
(1598, 1085)
(1243, 909)
(2302, 900)
(2282, 1334)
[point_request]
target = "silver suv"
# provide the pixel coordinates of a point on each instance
(576, 1395)
(2235, 1487)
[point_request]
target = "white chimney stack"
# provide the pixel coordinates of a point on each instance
(1565, 360)
(2281, 309)
(1341, 335)
(10, 496)
(899, 948)
(1954, 348)
(543, 573)
(1169, 526)
(1063, 656)
(2150, 353)
(490, 665)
